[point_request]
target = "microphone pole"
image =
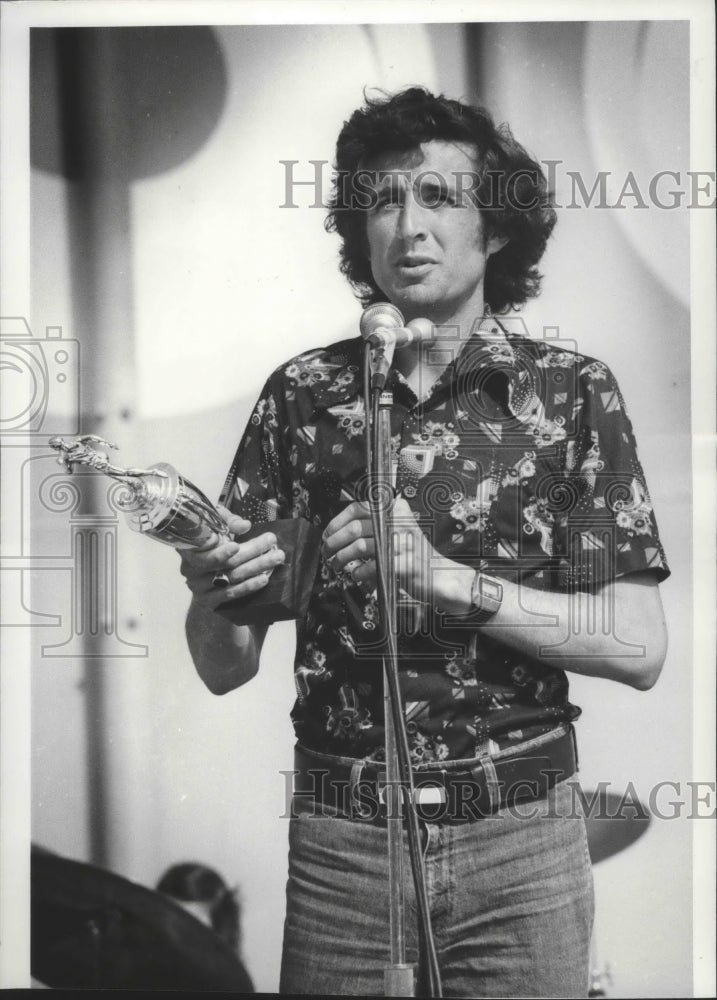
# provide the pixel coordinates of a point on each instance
(378, 325)
(382, 326)
(399, 975)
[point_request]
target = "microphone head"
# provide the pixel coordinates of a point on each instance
(381, 315)
(422, 330)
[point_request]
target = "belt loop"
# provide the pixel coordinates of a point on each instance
(354, 778)
(575, 745)
(492, 780)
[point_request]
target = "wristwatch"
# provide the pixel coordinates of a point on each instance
(486, 597)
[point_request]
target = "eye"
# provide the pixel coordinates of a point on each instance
(435, 195)
(388, 199)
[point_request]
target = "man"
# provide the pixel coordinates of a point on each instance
(520, 509)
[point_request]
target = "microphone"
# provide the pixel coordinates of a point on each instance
(382, 326)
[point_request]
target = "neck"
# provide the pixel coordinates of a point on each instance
(459, 319)
(421, 364)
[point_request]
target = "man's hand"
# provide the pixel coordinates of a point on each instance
(349, 544)
(248, 565)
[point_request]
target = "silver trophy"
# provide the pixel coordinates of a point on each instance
(164, 505)
(158, 502)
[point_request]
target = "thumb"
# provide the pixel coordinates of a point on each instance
(237, 525)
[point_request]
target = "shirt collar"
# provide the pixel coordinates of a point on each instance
(335, 376)
(491, 349)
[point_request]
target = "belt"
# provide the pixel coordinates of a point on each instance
(358, 789)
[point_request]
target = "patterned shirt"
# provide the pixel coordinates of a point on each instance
(521, 458)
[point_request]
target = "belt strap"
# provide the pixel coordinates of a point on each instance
(357, 789)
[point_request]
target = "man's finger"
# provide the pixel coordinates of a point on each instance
(356, 511)
(346, 536)
(264, 563)
(205, 560)
(237, 525)
(361, 548)
(363, 572)
(234, 591)
(245, 551)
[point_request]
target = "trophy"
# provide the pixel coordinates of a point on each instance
(158, 501)
(161, 503)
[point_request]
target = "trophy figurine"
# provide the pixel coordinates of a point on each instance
(161, 503)
(158, 502)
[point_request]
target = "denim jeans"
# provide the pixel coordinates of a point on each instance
(511, 901)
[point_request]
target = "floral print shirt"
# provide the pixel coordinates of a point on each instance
(521, 458)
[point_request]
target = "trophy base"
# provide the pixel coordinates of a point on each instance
(287, 594)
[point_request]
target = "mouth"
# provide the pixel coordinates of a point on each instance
(414, 265)
(414, 260)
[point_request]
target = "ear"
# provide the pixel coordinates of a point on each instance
(494, 244)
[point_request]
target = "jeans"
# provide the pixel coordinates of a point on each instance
(511, 900)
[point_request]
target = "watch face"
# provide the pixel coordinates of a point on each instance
(487, 595)
(491, 591)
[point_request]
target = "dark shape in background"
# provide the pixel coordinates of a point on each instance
(169, 94)
(613, 822)
(92, 929)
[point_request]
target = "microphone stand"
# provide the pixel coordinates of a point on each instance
(399, 975)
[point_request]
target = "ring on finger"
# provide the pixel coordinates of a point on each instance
(354, 565)
(220, 581)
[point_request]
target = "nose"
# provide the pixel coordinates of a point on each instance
(411, 221)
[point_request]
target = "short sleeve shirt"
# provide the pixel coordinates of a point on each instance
(520, 459)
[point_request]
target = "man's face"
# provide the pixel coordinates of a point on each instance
(426, 242)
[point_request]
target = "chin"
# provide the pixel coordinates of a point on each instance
(414, 301)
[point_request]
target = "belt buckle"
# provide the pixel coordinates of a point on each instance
(433, 794)
(430, 799)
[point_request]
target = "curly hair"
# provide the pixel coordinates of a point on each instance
(510, 190)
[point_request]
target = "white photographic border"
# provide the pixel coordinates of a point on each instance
(17, 19)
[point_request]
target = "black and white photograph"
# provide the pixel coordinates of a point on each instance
(358, 492)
